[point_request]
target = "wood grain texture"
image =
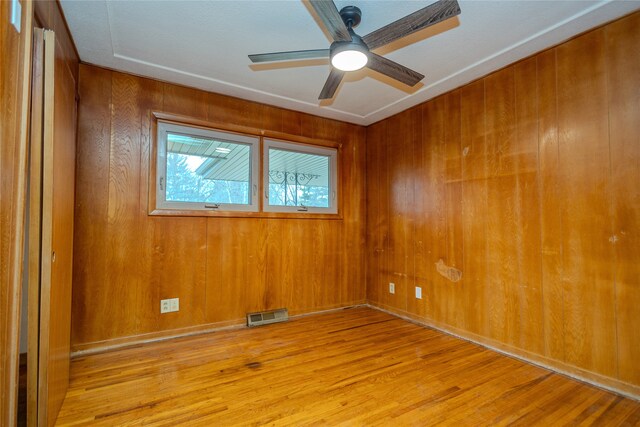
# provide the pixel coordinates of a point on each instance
(89, 260)
(451, 309)
(377, 210)
(623, 86)
(64, 140)
(550, 202)
(332, 83)
(46, 257)
(587, 256)
(400, 156)
(15, 78)
(353, 367)
(394, 70)
(475, 214)
(331, 19)
(525, 180)
(418, 20)
(35, 223)
(220, 268)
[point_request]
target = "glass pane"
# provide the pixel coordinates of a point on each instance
(298, 179)
(207, 170)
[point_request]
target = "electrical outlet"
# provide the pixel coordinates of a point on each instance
(392, 288)
(169, 305)
(418, 292)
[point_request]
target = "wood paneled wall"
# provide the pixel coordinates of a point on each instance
(14, 106)
(528, 181)
(126, 261)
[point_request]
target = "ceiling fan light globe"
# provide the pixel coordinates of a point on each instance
(349, 60)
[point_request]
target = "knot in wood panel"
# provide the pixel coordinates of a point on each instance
(253, 365)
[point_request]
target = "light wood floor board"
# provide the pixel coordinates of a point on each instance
(356, 366)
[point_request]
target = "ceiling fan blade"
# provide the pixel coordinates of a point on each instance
(393, 69)
(328, 13)
(332, 83)
(423, 18)
(290, 56)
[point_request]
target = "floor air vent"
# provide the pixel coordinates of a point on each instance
(266, 317)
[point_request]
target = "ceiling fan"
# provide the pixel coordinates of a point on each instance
(350, 52)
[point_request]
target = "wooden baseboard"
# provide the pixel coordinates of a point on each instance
(78, 350)
(611, 384)
(83, 349)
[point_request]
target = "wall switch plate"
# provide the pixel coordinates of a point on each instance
(418, 292)
(392, 288)
(169, 305)
(16, 14)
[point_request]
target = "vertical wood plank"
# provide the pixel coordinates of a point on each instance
(400, 157)
(454, 255)
(527, 246)
(429, 226)
(589, 299)
(376, 209)
(550, 205)
(623, 80)
(123, 279)
(275, 292)
(474, 205)
(500, 223)
(92, 191)
(354, 202)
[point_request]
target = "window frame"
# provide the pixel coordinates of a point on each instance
(162, 205)
(330, 152)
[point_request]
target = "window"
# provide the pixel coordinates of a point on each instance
(299, 178)
(202, 169)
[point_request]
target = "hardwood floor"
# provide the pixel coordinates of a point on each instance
(356, 366)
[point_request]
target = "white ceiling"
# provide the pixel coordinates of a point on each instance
(204, 44)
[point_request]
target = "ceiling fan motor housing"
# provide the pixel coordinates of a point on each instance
(356, 43)
(351, 16)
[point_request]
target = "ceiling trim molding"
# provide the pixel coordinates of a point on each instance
(468, 69)
(311, 108)
(110, 26)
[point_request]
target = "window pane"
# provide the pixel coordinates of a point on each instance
(206, 170)
(298, 179)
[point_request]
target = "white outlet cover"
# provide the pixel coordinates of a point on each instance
(418, 292)
(169, 305)
(164, 306)
(392, 288)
